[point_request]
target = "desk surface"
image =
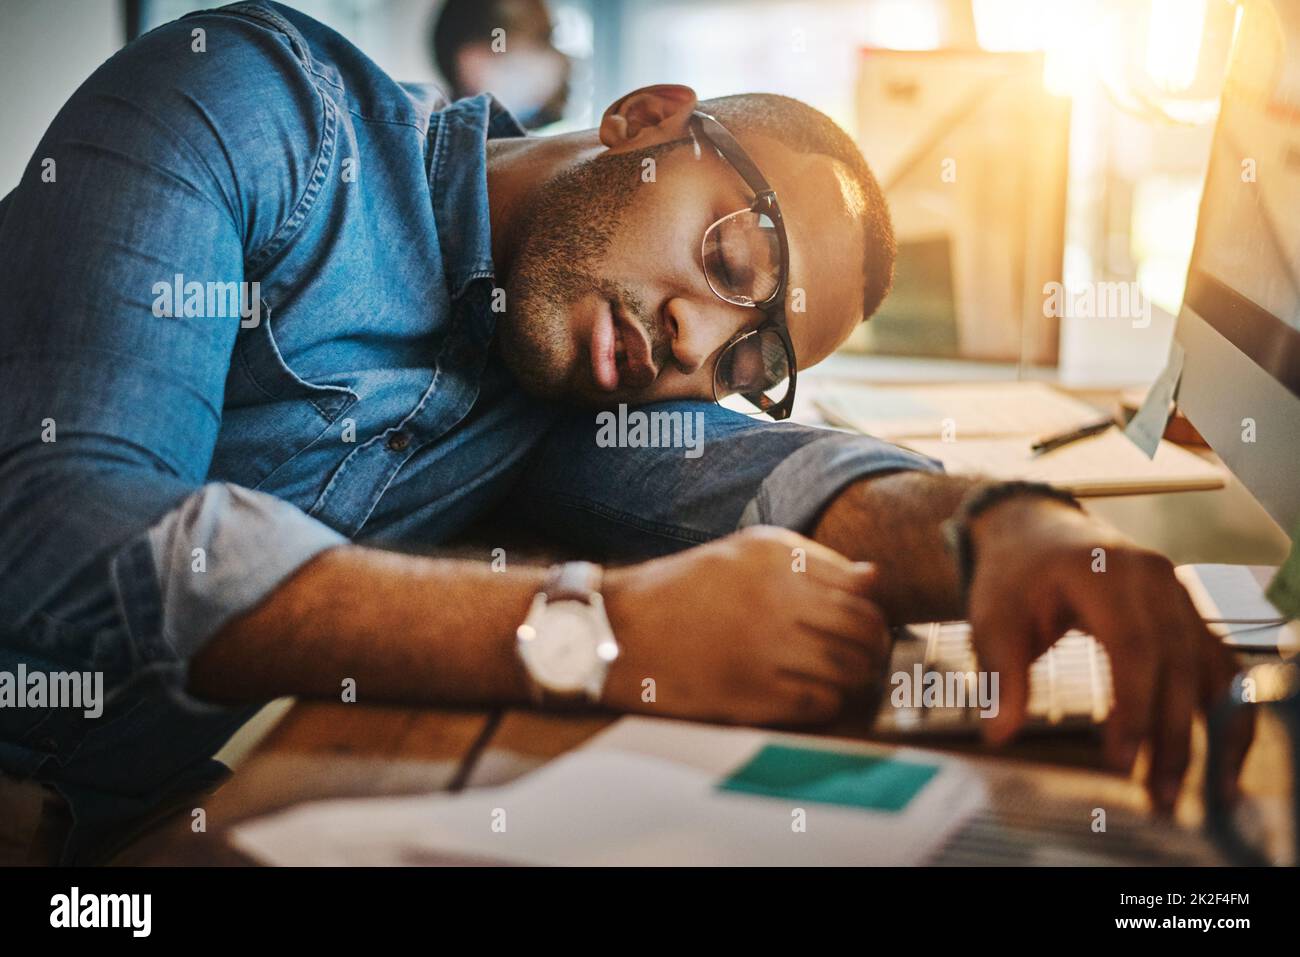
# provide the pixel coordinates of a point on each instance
(322, 750)
(335, 751)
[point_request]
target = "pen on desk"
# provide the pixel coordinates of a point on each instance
(1053, 442)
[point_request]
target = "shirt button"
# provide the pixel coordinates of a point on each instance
(398, 441)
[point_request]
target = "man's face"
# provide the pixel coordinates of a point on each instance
(607, 299)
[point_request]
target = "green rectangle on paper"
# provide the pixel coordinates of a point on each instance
(831, 777)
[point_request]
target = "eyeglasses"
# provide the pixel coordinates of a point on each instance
(746, 261)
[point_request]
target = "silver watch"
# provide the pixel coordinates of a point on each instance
(566, 644)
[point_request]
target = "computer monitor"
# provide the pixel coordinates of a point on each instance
(1240, 320)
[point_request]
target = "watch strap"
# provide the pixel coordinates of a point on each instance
(956, 530)
(572, 581)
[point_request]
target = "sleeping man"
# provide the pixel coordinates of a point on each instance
(212, 499)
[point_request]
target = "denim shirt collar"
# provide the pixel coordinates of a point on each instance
(458, 138)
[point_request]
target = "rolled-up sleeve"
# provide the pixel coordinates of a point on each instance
(215, 556)
(801, 486)
(630, 500)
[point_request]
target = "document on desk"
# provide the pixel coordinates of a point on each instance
(1106, 464)
(988, 428)
(966, 410)
(656, 792)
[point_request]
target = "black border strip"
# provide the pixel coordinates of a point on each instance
(347, 909)
(1270, 343)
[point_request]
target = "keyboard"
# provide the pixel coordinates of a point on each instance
(1069, 684)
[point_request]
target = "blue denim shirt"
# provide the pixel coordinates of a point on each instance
(161, 474)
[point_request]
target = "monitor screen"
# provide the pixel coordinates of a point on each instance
(1245, 271)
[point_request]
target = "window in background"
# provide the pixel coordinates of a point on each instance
(970, 150)
(574, 36)
(803, 49)
(1143, 77)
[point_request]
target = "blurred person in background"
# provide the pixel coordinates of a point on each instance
(502, 47)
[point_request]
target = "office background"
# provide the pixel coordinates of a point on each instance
(1106, 122)
(1091, 146)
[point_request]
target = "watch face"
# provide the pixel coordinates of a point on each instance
(561, 651)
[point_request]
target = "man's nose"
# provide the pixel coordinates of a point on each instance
(698, 329)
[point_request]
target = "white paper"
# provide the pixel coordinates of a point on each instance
(644, 793)
(1105, 464)
(960, 410)
(1148, 425)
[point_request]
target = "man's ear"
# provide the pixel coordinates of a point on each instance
(647, 117)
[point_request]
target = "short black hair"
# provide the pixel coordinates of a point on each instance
(807, 130)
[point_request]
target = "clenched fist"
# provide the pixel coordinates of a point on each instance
(761, 627)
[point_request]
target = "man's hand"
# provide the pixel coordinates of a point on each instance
(1038, 573)
(763, 627)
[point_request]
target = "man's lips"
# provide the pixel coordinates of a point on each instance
(604, 367)
(620, 351)
(636, 363)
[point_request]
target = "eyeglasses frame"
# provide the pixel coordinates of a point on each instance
(773, 307)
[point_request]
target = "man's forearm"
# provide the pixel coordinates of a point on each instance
(435, 630)
(405, 628)
(895, 521)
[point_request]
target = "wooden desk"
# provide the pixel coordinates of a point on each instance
(321, 750)
(327, 751)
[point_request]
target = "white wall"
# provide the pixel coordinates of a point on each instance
(47, 47)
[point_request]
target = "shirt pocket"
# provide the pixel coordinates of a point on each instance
(271, 413)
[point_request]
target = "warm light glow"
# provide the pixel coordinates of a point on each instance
(1069, 37)
(1012, 24)
(903, 25)
(1072, 32)
(1174, 36)
(1062, 29)
(1162, 229)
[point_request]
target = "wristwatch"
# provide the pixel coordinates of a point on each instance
(566, 644)
(956, 530)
